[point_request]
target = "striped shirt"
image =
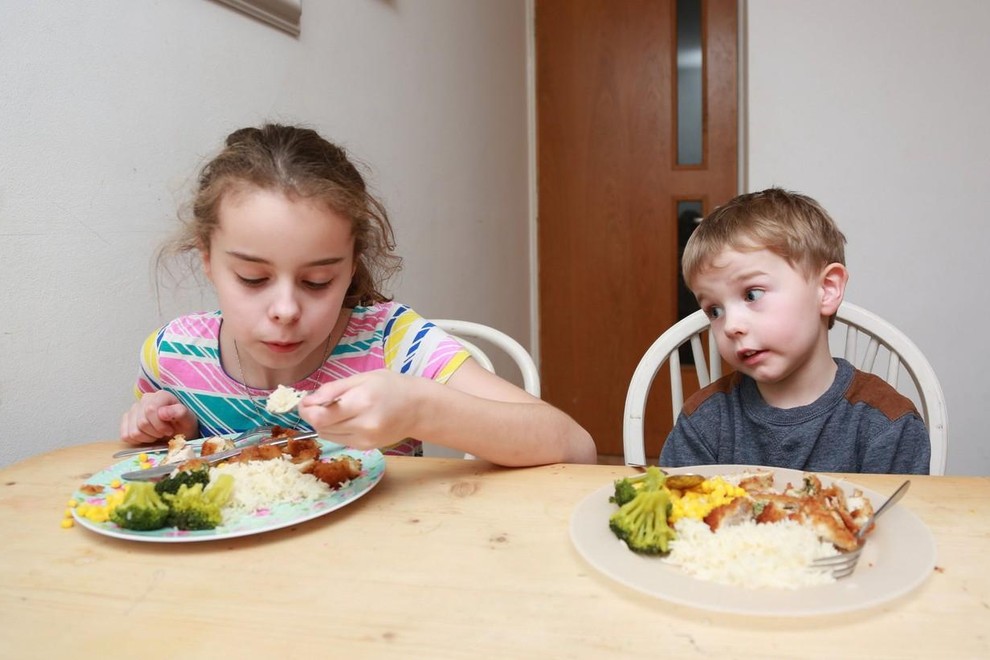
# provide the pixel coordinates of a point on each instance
(183, 357)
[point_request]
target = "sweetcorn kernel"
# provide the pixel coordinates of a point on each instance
(67, 523)
(142, 458)
(699, 501)
(115, 483)
(72, 504)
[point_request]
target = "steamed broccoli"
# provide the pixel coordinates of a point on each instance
(627, 487)
(642, 520)
(172, 483)
(142, 509)
(193, 508)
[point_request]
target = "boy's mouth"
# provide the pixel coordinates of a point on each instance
(749, 355)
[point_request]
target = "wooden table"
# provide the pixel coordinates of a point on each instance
(444, 558)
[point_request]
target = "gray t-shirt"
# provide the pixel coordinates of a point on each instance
(861, 424)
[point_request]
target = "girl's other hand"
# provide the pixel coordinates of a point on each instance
(370, 410)
(156, 416)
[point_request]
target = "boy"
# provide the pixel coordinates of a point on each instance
(768, 270)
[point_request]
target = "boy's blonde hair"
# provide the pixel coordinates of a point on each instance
(789, 224)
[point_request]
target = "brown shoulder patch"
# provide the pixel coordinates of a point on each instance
(723, 385)
(876, 392)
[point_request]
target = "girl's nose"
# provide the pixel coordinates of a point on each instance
(284, 307)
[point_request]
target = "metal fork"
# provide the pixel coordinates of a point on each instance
(261, 430)
(843, 564)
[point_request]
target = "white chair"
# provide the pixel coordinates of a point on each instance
(466, 331)
(880, 338)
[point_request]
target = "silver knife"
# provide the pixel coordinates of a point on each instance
(164, 470)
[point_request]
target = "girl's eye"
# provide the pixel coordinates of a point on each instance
(252, 281)
(316, 286)
(752, 295)
(713, 312)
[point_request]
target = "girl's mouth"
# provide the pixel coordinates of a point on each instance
(281, 347)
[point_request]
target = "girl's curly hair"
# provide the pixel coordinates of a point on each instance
(298, 162)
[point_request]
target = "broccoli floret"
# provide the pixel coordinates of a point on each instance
(642, 521)
(627, 487)
(172, 483)
(142, 509)
(193, 508)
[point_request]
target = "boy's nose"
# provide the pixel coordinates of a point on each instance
(733, 324)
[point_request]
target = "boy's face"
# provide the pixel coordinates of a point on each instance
(768, 322)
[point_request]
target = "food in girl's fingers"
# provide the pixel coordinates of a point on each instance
(284, 399)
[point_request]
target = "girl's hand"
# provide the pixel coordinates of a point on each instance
(157, 415)
(372, 410)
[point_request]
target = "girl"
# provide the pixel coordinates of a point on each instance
(296, 249)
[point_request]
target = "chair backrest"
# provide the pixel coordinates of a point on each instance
(870, 344)
(466, 331)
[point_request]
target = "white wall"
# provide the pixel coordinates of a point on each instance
(878, 109)
(108, 108)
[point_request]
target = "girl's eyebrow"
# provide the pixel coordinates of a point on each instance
(329, 261)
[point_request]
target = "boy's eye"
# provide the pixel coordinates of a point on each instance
(752, 295)
(713, 312)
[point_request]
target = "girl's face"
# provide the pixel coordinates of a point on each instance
(281, 267)
(767, 317)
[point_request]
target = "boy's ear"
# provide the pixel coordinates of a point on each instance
(833, 285)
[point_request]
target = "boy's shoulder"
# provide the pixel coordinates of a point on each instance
(723, 386)
(871, 390)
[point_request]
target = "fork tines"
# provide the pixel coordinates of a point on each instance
(841, 565)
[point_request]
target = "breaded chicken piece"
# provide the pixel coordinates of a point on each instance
(337, 470)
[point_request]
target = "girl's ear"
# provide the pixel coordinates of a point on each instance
(833, 287)
(205, 256)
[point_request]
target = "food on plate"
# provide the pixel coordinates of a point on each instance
(142, 509)
(642, 521)
(196, 496)
(284, 399)
(737, 529)
(195, 507)
(188, 474)
(750, 555)
(179, 450)
(215, 445)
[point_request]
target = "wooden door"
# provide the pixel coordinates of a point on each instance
(609, 186)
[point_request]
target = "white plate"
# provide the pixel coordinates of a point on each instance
(899, 556)
(278, 516)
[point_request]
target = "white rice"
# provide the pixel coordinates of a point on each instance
(750, 555)
(259, 485)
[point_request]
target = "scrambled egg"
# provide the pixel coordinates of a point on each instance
(699, 501)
